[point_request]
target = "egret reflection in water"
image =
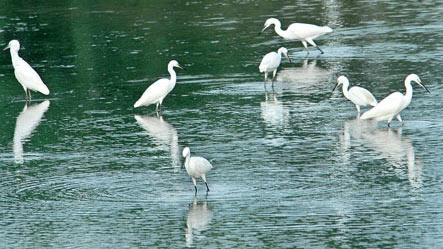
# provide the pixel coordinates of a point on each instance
(389, 144)
(163, 134)
(199, 216)
(273, 112)
(26, 123)
(309, 74)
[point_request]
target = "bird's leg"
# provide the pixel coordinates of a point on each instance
(315, 45)
(399, 118)
(156, 108)
(266, 78)
(273, 74)
(30, 97)
(306, 47)
(273, 77)
(321, 51)
(195, 184)
(358, 108)
(207, 188)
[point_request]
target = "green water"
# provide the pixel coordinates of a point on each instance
(293, 168)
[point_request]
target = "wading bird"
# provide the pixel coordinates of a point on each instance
(392, 105)
(156, 92)
(25, 74)
(306, 33)
(357, 95)
(196, 167)
(271, 62)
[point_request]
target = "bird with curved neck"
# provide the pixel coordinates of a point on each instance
(357, 95)
(24, 73)
(271, 62)
(306, 33)
(156, 92)
(196, 167)
(392, 105)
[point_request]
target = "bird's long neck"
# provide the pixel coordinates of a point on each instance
(187, 160)
(279, 55)
(409, 91)
(278, 29)
(345, 89)
(14, 57)
(173, 77)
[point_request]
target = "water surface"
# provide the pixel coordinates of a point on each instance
(293, 167)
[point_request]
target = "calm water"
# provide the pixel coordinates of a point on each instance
(293, 168)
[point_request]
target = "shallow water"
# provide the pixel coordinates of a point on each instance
(293, 167)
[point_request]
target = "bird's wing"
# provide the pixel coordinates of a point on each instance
(269, 62)
(156, 91)
(389, 106)
(361, 96)
(29, 78)
(304, 30)
(200, 165)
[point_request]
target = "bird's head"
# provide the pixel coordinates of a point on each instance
(174, 63)
(416, 79)
(341, 80)
(186, 151)
(284, 51)
(269, 22)
(13, 45)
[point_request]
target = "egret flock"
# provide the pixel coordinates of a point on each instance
(197, 167)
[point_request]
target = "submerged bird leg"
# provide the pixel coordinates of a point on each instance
(195, 190)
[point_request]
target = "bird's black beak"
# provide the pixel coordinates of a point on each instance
(421, 84)
(335, 87)
(289, 59)
(425, 88)
(259, 33)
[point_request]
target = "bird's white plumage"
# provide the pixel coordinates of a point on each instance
(387, 108)
(357, 95)
(24, 73)
(306, 33)
(196, 167)
(392, 105)
(361, 96)
(271, 61)
(156, 92)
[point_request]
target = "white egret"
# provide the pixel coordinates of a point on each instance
(24, 73)
(196, 167)
(392, 105)
(271, 61)
(357, 95)
(306, 33)
(156, 92)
